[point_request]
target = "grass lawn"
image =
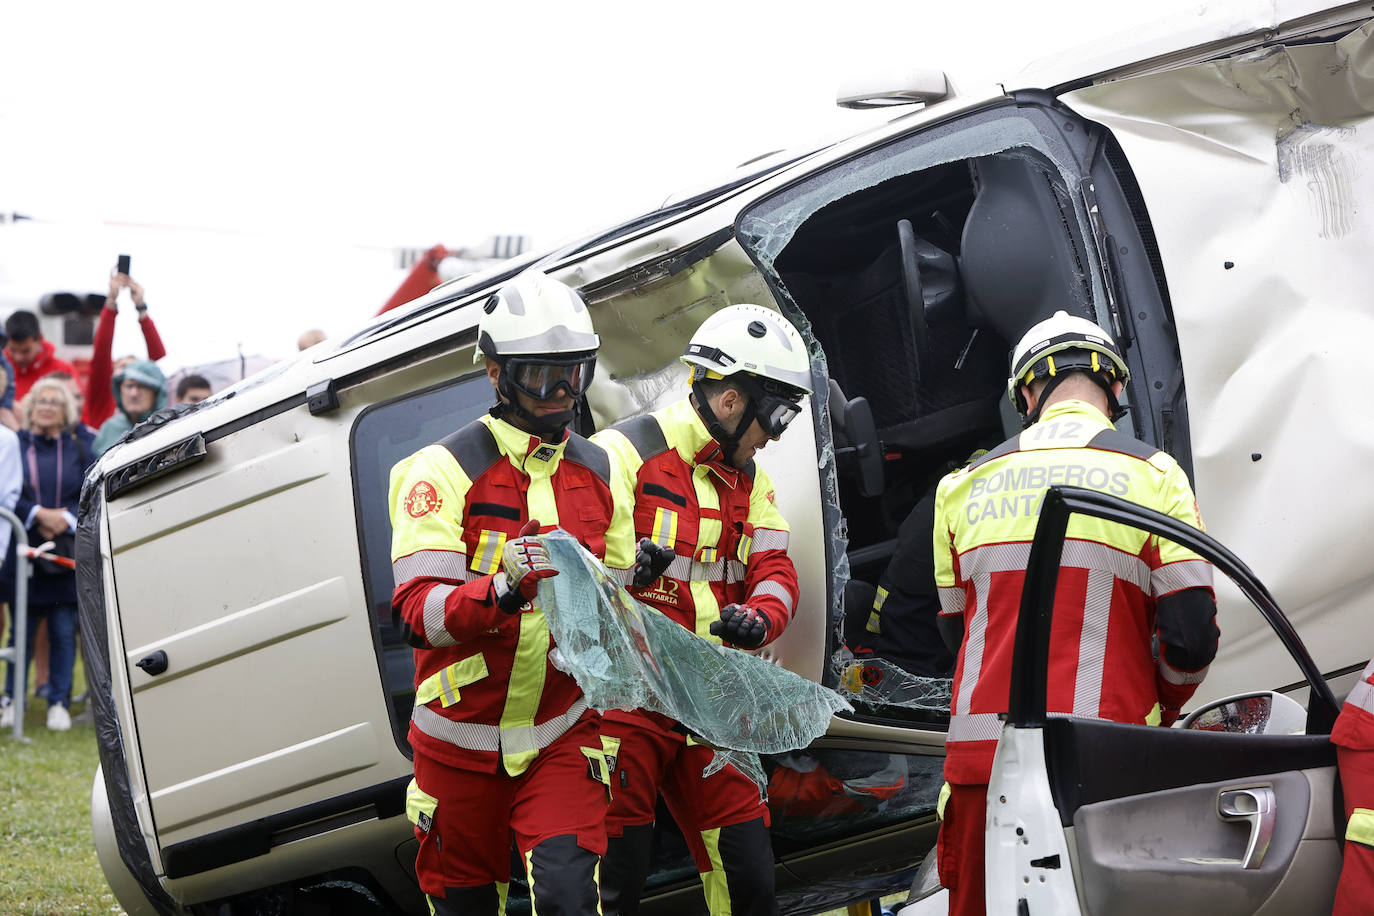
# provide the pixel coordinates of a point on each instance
(47, 856)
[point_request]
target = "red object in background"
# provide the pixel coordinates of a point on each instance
(83, 373)
(423, 277)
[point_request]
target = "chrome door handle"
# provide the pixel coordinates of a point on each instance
(1257, 806)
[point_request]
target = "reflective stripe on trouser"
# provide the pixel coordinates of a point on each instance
(476, 815)
(563, 878)
(740, 882)
(1360, 827)
(654, 758)
(487, 900)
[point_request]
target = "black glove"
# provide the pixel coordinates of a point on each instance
(524, 561)
(741, 626)
(650, 561)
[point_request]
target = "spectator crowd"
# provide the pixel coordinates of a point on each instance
(52, 428)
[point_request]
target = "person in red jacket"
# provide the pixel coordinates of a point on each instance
(99, 403)
(32, 356)
(710, 551)
(1353, 736)
(505, 745)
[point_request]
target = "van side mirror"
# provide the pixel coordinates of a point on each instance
(864, 446)
(1261, 713)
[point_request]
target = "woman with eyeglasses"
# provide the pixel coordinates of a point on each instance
(55, 452)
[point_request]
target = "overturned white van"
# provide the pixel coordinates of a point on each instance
(1201, 196)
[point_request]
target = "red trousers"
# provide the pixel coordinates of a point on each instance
(1355, 892)
(467, 840)
(652, 757)
(961, 849)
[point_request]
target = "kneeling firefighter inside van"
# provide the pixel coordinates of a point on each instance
(504, 744)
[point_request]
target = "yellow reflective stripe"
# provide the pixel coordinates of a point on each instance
(529, 880)
(621, 539)
(742, 553)
(707, 609)
(942, 800)
(1360, 829)
(1155, 716)
(443, 685)
(419, 802)
(707, 554)
(526, 687)
(874, 624)
(503, 889)
(713, 882)
(708, 529)
(540, 498)
(704, 602)
(664, 530)
(487, 559)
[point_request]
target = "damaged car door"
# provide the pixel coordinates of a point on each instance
(1229, 814)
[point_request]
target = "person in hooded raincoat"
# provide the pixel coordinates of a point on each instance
(139, 389)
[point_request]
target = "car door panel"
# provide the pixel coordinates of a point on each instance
(1159, 819)
(1093, 761)
(1172, 851)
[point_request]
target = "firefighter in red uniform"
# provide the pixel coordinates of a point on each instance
(704, 517)
(1354, 740)
(504, 743)
(1134, 616)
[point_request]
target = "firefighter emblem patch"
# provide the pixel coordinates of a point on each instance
(423, 499)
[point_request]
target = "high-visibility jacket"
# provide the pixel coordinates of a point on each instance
(1353, 736)
(486, 693)
(730, 539)
(1102, 665)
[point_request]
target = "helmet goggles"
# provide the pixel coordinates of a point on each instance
(776, 405)
(540, 377)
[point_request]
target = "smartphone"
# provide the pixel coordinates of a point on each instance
(123, 266)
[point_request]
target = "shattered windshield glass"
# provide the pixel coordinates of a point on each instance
(626, 655)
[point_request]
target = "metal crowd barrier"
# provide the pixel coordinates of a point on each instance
(20, 612)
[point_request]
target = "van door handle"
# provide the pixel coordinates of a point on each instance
(1257, 806)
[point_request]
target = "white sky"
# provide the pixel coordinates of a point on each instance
(261, 161)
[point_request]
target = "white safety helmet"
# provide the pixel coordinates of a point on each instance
(539, 331)
(535, 315)
(1064, 343)
(763, 355)
(751, 339)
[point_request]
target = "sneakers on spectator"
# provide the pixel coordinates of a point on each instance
(59, 720)
(6, 713)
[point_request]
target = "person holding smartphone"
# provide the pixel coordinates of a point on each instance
(99, 403)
